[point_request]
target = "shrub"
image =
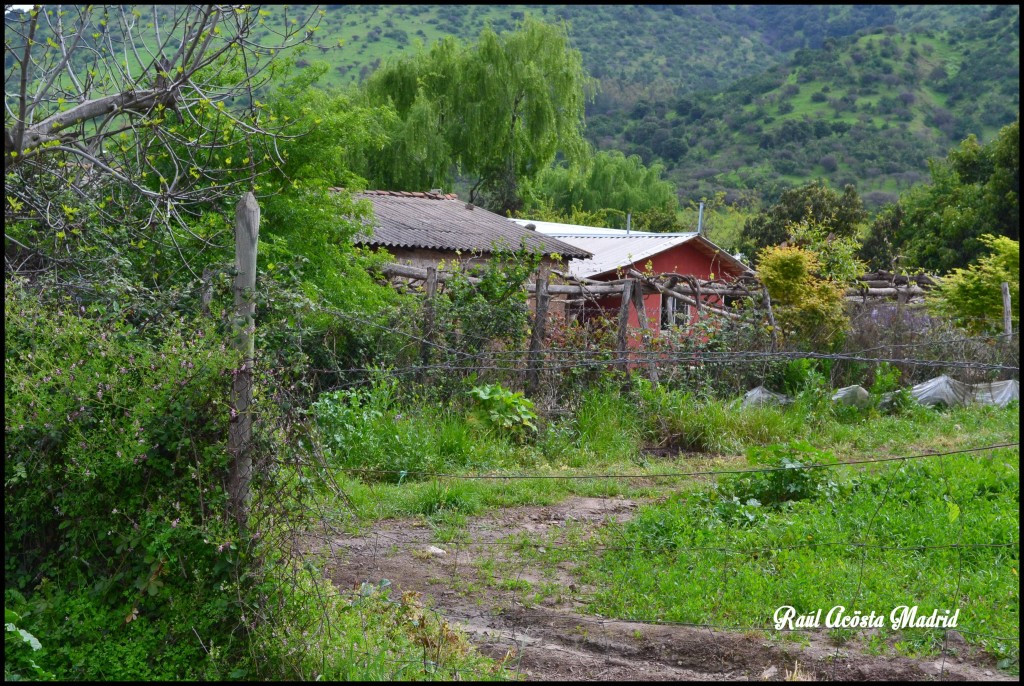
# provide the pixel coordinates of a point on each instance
(505, 412)
(973, 296)
(19, 646)
(96, 556)
(365, 428)
(808, 310)
(789, 479)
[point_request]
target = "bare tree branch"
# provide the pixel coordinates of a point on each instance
(121, 129)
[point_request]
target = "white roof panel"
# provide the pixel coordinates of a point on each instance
(612, 248)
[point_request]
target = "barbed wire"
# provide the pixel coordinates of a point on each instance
(522, 351)
(674, 475)
(396, 542)
(321, 507)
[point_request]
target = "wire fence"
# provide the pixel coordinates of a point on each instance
(726, 356)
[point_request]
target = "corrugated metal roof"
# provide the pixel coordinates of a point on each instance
(443, 222)
(615, 248)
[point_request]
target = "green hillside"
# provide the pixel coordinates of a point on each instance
(743, 99)
(632, 49)
(868, 110)
(750, 99)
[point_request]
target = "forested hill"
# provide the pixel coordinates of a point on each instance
(750, 99)
(635, 50)
(869, 109)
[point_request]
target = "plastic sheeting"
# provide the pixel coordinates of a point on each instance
(852, 395)
(762, 396)
(999, 393)
(942, 390)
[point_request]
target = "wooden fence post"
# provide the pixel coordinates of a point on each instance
(641, 314)
(767, 300)
(1007, 312)
(539, 324)
(428, 321)
(247, 228)
(207, 292)
(623, 334)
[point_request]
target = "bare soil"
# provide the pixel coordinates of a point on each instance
(552, 638)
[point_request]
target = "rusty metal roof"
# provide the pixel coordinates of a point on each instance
(612, 249)
(443, 222)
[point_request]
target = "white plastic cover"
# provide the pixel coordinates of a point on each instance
(998, 393)
(852, 395)
(942, 390)
(762, 396)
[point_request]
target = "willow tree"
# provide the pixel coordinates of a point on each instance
(610, 181)
(496, 112)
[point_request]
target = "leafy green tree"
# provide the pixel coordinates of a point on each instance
(973, 296)
(974, 191)
(878, 249)
(837, 255)
(543, 210)
(498, 112)
(609, 181)
(841, 213)
(305, 211)
(663, 219)
(808, 309)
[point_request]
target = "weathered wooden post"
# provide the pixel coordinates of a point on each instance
(207, 292)
(1007, 313)
(428, 322)
(767, 300)
(539, 323)
(247, 228)
(641, 314)
(623, 334)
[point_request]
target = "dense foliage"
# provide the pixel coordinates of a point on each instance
(115, 516)
(808, 308)
(938, 226)
(868, 108)
(840, 215)
(498, 111)
(609, 182)
(973, 296)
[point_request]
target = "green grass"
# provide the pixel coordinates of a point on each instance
(753, 558)
(698, 565)
(609, 433)
(370, 635)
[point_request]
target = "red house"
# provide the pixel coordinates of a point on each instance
(615, 251)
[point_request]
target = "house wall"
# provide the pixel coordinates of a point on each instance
(681, 259)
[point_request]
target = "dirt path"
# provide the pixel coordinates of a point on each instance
(484, 586)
